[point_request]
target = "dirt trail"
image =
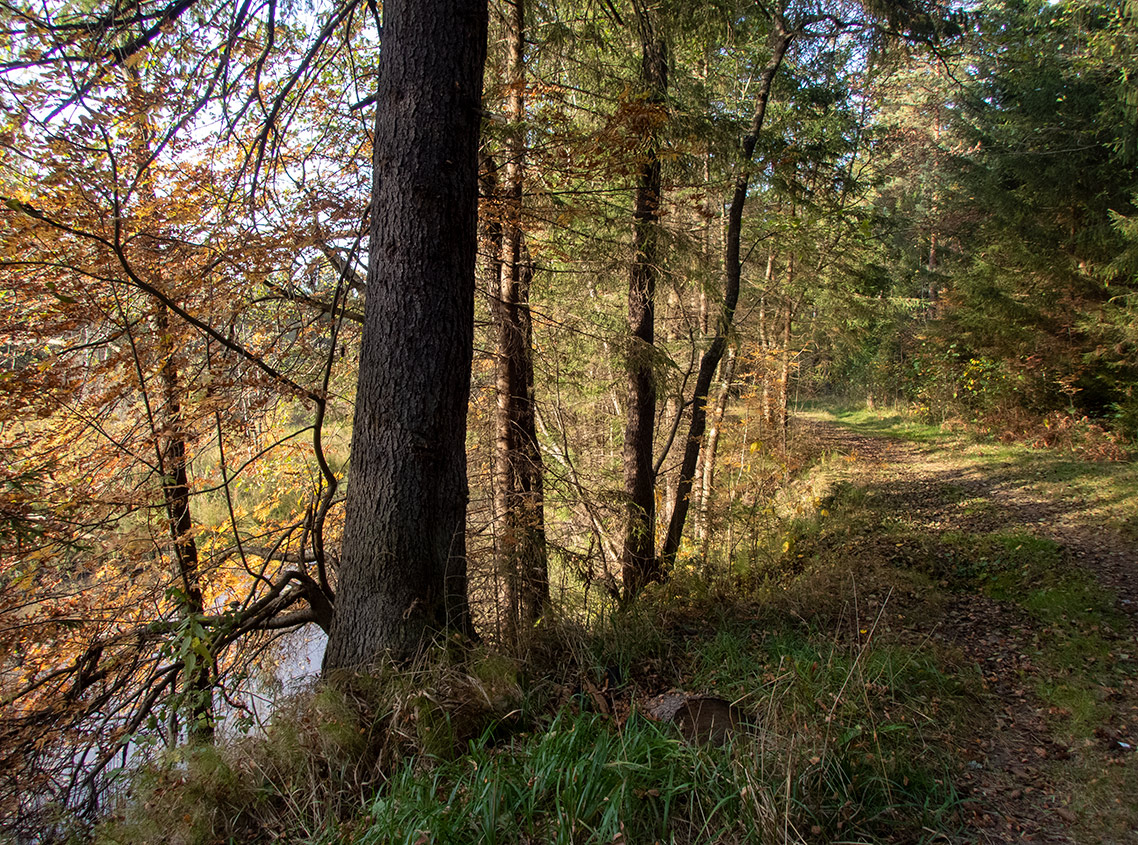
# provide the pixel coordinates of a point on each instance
(1021, 776)
(1015, 505)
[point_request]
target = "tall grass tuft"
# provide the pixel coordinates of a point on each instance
(578, 780)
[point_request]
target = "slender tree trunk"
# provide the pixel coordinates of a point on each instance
(402, 574)
(933, 260)
(784, 359)
(711, 210)
(176, 493)
(933, 267)
(533, 557)
(170, 445)
(175, 478)
(490, 219)
(766, 415)
(673, 401)
(640, 564)
(781, 38)
(708, 477)
(518, 487)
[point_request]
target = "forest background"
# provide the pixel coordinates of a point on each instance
(690, 216)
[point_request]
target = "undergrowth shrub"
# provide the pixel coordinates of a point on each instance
(1062, 431)
(295, 780)
(307, 777)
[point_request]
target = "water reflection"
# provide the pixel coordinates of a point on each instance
(294, 665)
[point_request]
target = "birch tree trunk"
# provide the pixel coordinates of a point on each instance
(707, 480)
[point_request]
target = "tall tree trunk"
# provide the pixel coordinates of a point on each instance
(490, 219)
(640, 563)
(712, 223)
(176, 493)
(766, 411)
(518, 487)
(402, 574)
(708, 476)
(781, 39)
(673, 402)
(789, 309)
(533, 558)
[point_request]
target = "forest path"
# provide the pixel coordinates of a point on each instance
(930, 478)
(1052, 760)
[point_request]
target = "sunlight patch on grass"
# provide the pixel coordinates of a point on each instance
(892, 423)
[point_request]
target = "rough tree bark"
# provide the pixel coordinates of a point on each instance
(402, 574)
(781, 38)
(640, 564)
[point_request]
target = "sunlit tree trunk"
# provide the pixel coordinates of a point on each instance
(766, 412)
(784, 357)
(402, 575)
(518, 487)
(707, 480)
(713, 219)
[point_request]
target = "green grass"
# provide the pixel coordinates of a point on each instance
(840, 742)
(1077, 668)
(897, 424)
(578, 780)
